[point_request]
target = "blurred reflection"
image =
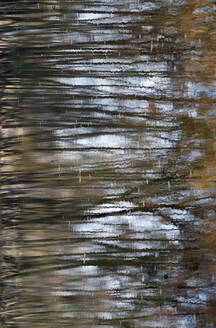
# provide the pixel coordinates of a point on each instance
(107, 164)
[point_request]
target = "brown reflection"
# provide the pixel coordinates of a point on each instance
(196, 25)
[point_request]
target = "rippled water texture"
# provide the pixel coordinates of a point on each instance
(108, 164)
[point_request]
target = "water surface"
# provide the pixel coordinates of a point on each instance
(108, 157)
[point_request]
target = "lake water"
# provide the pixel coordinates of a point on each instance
(107, 164)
